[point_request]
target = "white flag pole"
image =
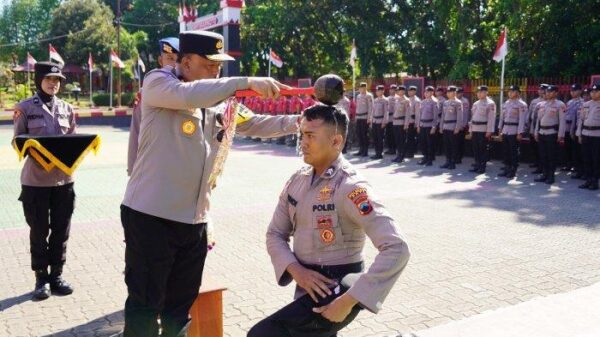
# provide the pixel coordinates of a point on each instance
(502, 73)
(91, 101)
(354, 74)
(269, 73)
(110, 64)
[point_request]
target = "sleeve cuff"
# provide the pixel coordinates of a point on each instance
(283, 277)
(360, 291)
(242, 83)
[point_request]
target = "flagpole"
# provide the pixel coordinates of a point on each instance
(110, 64)
(502, 84)
(91, 101)
(139, 75)
(269, 73)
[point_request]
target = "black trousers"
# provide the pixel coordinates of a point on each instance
(451, 146)
(400, 137)
(427, 143)
(461, 146)
(480, 148)
(164, 261)
(362, 133)
(48, 210)
(591, 156)
(548, 146)
(533, 144)
(390, 139)
(377, 133)
(511, 151)
(577, 156)
(569, 151)
(439, 143)
(411, 140)
(297, 318)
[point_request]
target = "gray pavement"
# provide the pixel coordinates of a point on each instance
(478, 243)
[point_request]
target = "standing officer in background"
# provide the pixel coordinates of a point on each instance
(588, 131)
(450, 126)
(409, 124)
(482, 127)
(344, 106)
(465, 126)
(427, 120)
(511, 129)
(48, 197)
(378, 121)
(401, 109)
(531, 122)
(572, 147)
(364, 109)
(166, 204)
(329, 210)
(549, 132)
(439, 138)
(169, 48)
(390, 141)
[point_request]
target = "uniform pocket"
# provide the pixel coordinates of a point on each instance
(327, 234)
(27, 197)
(64, 124)
(36, 126)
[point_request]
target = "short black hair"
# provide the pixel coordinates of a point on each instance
(329, 115)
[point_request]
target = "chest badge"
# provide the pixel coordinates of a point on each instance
(188, 127)
(327, 236)
(325, 194)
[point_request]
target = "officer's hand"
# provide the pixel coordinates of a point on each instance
(537, 138)
(488, 135)
(432, 131)
(383, 125)
(519, 137)
(418, 130)
(311, 281)
(266, 86)
(500, 136)
(456, 132)
(338, 310)
(560, 140)
(580, 140)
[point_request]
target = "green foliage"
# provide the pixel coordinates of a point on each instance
(104, 99)
(21, 92)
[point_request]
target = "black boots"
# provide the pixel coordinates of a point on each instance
(42, 288)
(57, 284)
(590, 184)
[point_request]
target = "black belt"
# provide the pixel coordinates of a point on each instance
(412, 116)
(390, 113)
(399, 118)
(591, 128)
(337, 272)
(426, 120)
(478, 123)
(362, 114)
(509, 123)
(569, 122)
(551, 127)
(450, 121)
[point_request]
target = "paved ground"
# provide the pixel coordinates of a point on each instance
(478, 243)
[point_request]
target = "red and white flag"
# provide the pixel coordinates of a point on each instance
(501, 47)
(54, 55)
(141, 64)
(114, 58)
(30, 62)
(276, 60)
(90, 63)
(353, 54)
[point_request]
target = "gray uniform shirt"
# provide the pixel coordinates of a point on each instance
(176, 153)
(452, 115)
(551, 118)
(466, 112)
(380, 110)
(392, 100)
(329, 219)
(572, 115)
(512, 117)
(134, 133)
(589, 124)
(344, 105)
(532, 114)
(401, 108)
(428, 114)
(415, 105)
(364, 106)
(483, 116)
(35, 118)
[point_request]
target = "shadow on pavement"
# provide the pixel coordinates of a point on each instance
(10, 302)
(106, 326)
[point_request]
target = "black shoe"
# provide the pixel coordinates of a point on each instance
(429, 163)
(357, 153)
(475, 165)
(503, 173)
(550, 180)
(481, 170)
(422, 162)
(511, 174)
(533, 165)
(389, 152)
(410, 155)
(541, 178)
(451, 167)
(565, 169)
(398, 159)
(474, 169)
(377, 156)
(594, 186)
(57, 284)
(538, 171)
(365, 154)
(445, 166)
(42, 287)
(577, 175)
(586, 185)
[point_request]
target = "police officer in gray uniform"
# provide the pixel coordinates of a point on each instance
(588, 132)
(483, 120)
(466, 118)
(511, 128)
(390, 140)
(329, 210)
(409, 124)
(165, 209)
(530, 126)
(572, 149)
(169, 48)
(378, 121)
(48, 197)
(427, 123)
(401, 109)
(364, 109)
(450, 126)
(549, 132)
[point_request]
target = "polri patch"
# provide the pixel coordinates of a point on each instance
(188, 127)
(360, 199)
(327, 236)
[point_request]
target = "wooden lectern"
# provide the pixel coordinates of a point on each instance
(207, 311)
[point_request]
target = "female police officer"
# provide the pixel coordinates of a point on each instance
(47, 196)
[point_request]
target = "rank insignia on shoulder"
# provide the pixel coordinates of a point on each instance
(329, 172)
(361, 200)
(188, 127)
(327, 236)
(325, 194)
(292, 201)
(36, 100)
